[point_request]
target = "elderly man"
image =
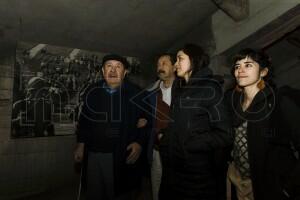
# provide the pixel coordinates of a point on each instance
(107, 129)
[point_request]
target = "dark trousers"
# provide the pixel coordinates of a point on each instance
(100, 178)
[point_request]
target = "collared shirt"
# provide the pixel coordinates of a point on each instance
(109, 89)
(166, 93)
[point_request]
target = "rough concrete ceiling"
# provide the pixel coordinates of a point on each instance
(131, 27)
(285, 51)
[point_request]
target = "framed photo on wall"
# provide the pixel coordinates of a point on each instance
(49, 82)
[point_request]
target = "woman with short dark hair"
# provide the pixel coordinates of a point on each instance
(265, 133)
(199, 127)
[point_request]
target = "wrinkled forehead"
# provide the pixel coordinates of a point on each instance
(164, 59)
(113, 62)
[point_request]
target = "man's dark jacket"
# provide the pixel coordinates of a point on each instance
(95, 128)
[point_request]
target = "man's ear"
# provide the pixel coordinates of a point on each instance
(102, 70)
(126, 71)
(264, 72)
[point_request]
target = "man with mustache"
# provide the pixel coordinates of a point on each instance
(160, 100)
(107, 129)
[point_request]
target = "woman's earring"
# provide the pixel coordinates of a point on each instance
(261, 84)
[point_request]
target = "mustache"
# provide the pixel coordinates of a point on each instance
(160, 71)
(112, 74)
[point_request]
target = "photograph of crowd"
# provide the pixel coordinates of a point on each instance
(49, 82)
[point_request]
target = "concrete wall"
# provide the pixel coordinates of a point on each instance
(286, 63)
(32, 165)
(289, 76)
(227, 32)
(201, 34)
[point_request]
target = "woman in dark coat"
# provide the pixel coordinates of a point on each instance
(266, 131)
(199, 128)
